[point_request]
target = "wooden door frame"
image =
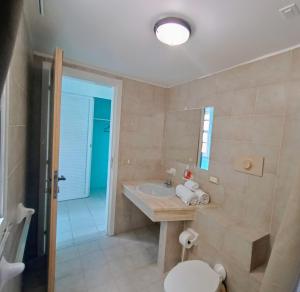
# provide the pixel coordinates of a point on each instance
(56, 86)
(112, 178)
(116, 117)
(44, 145)
(114, 142)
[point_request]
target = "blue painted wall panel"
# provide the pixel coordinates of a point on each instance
(100, 149)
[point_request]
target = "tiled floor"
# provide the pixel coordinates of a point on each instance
(123, 263)
(79, 218)
(88, 260)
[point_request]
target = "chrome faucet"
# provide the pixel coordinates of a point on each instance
(171, 173)
(169, 182)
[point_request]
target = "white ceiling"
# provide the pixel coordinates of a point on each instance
(117, 35)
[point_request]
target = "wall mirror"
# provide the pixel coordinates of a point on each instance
(187, 136)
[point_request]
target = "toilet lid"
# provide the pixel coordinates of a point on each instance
(192, 276)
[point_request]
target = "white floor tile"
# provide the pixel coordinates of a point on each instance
(62, 207)
(63, 225)
(108, 286)
(85, 248)
(98, 218)
(93, 261)
(155, 287)
(98, 277)
(106, 265)
(84, 231)
(81, 223)
(88, 237)
(108, 242)
(63, 216)
(81, 215)
(73, 283)
(101, 227)
(132, 247)
(114, 253)
(66, 254)
(149, 274)
(90, 261)
(141, 259)
(122, 267)
(64, 244)
(64, 236)
(68, 268)
(125, 284)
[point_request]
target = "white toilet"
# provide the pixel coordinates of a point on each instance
(195, 276)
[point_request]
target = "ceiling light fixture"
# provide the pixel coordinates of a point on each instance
(172, 31)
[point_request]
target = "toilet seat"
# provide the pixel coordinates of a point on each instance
(192, 276)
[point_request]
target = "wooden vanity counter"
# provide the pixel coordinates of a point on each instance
(158, 208)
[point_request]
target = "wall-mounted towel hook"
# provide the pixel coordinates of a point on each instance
(9, 271)
(23, 212)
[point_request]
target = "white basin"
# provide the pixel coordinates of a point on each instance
(158, 190)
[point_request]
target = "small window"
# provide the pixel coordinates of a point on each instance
(206, 137)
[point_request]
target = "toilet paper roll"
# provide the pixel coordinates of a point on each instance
(185, 239)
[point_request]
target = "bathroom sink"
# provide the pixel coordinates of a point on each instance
(157, 190)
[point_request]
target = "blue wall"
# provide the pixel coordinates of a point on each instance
(101, 132)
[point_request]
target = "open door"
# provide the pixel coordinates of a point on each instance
(53, 163)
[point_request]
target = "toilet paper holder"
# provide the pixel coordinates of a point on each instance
(189, 238)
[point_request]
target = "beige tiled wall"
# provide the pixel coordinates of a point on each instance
(289, 159)
(141, 138)
(17, 135)
(256, 112)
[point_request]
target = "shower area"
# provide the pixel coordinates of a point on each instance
(83, 159)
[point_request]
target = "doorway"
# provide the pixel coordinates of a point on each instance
(87, 108)
(85, 134)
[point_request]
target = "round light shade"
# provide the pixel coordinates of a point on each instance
(172, 31)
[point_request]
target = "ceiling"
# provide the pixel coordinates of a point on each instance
(117, 35)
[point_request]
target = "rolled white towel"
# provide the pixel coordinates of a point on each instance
(186, 195)
(202, 197)
(192, 185)
(195, 202)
